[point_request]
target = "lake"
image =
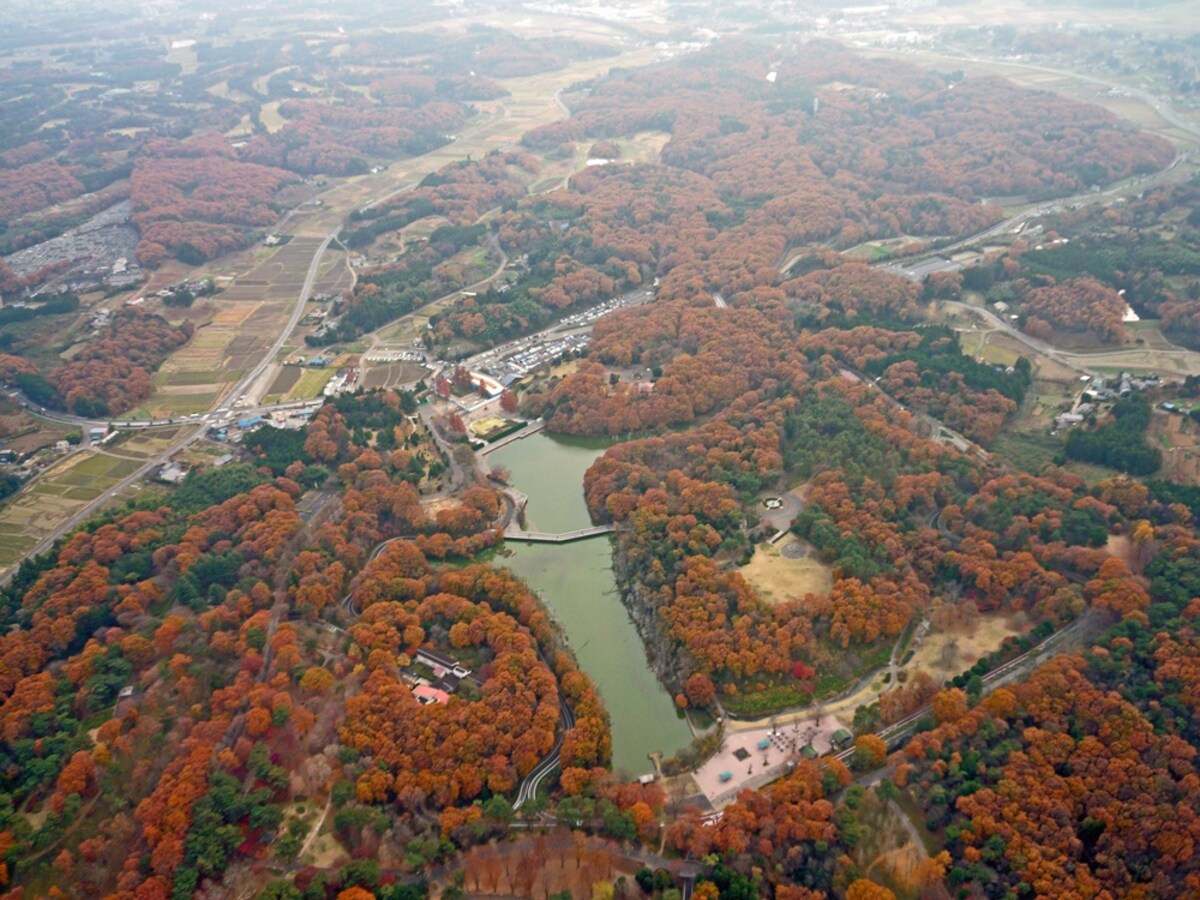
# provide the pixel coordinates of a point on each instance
(576, 583)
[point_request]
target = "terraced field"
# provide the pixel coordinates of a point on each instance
(36, 511)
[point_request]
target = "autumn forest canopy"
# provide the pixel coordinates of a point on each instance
(307, 671)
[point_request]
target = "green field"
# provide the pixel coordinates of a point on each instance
(37, 511)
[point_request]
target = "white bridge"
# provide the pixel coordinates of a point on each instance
(513, 533)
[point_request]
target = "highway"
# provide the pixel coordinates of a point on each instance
(320, 208)
(1122, 188)
(84, 512)
(1160, 106)
(1126, 187)
(1039, 347)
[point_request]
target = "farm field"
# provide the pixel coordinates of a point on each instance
(500, 123)
(144, 443)
(335, 274)
(1178, 437)
(260, 287)
(392, 375)
(247, 317)
(295, 383)
(39, 509)
(262, 647)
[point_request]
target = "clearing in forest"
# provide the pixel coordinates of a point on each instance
(951, 649)
(786, 571)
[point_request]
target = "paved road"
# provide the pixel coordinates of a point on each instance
(189, 437)
(1004, 674)
(529, 786)
(1134, 185)
(310, 279)
(1001, 675)
(1039, 347)
(75, 520)
(1158, 104)
(493, 245)
(248, 381)
(1042, 208)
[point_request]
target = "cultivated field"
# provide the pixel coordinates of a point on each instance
(390, 375)
(143, 444)
(334, 274)
(295, 383)
(260, 286)
(1178, 437)
(246, 319)
(41, 507)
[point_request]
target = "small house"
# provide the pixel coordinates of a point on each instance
(172, 473)
(426, 695)
(441, 664)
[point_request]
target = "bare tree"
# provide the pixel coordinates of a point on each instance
(949, 653)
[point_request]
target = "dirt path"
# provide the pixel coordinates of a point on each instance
(316, 829)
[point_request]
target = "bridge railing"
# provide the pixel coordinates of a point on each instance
(517, 534)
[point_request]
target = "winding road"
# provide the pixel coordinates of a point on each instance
(529, 786)
(1039, 347)
(321, 218)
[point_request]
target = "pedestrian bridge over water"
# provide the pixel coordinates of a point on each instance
(514, 533)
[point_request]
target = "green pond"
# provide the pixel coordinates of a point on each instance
(576, 583)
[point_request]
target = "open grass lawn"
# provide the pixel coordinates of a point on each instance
(778, 579)
(952, 650)
(1090, 473)
(309, 385)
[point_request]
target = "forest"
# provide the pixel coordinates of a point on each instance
(194, 150)
(1094, 261)
(751, 174)
(459, 193)
(1119, 443)
(110, 374)
(199, 686)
